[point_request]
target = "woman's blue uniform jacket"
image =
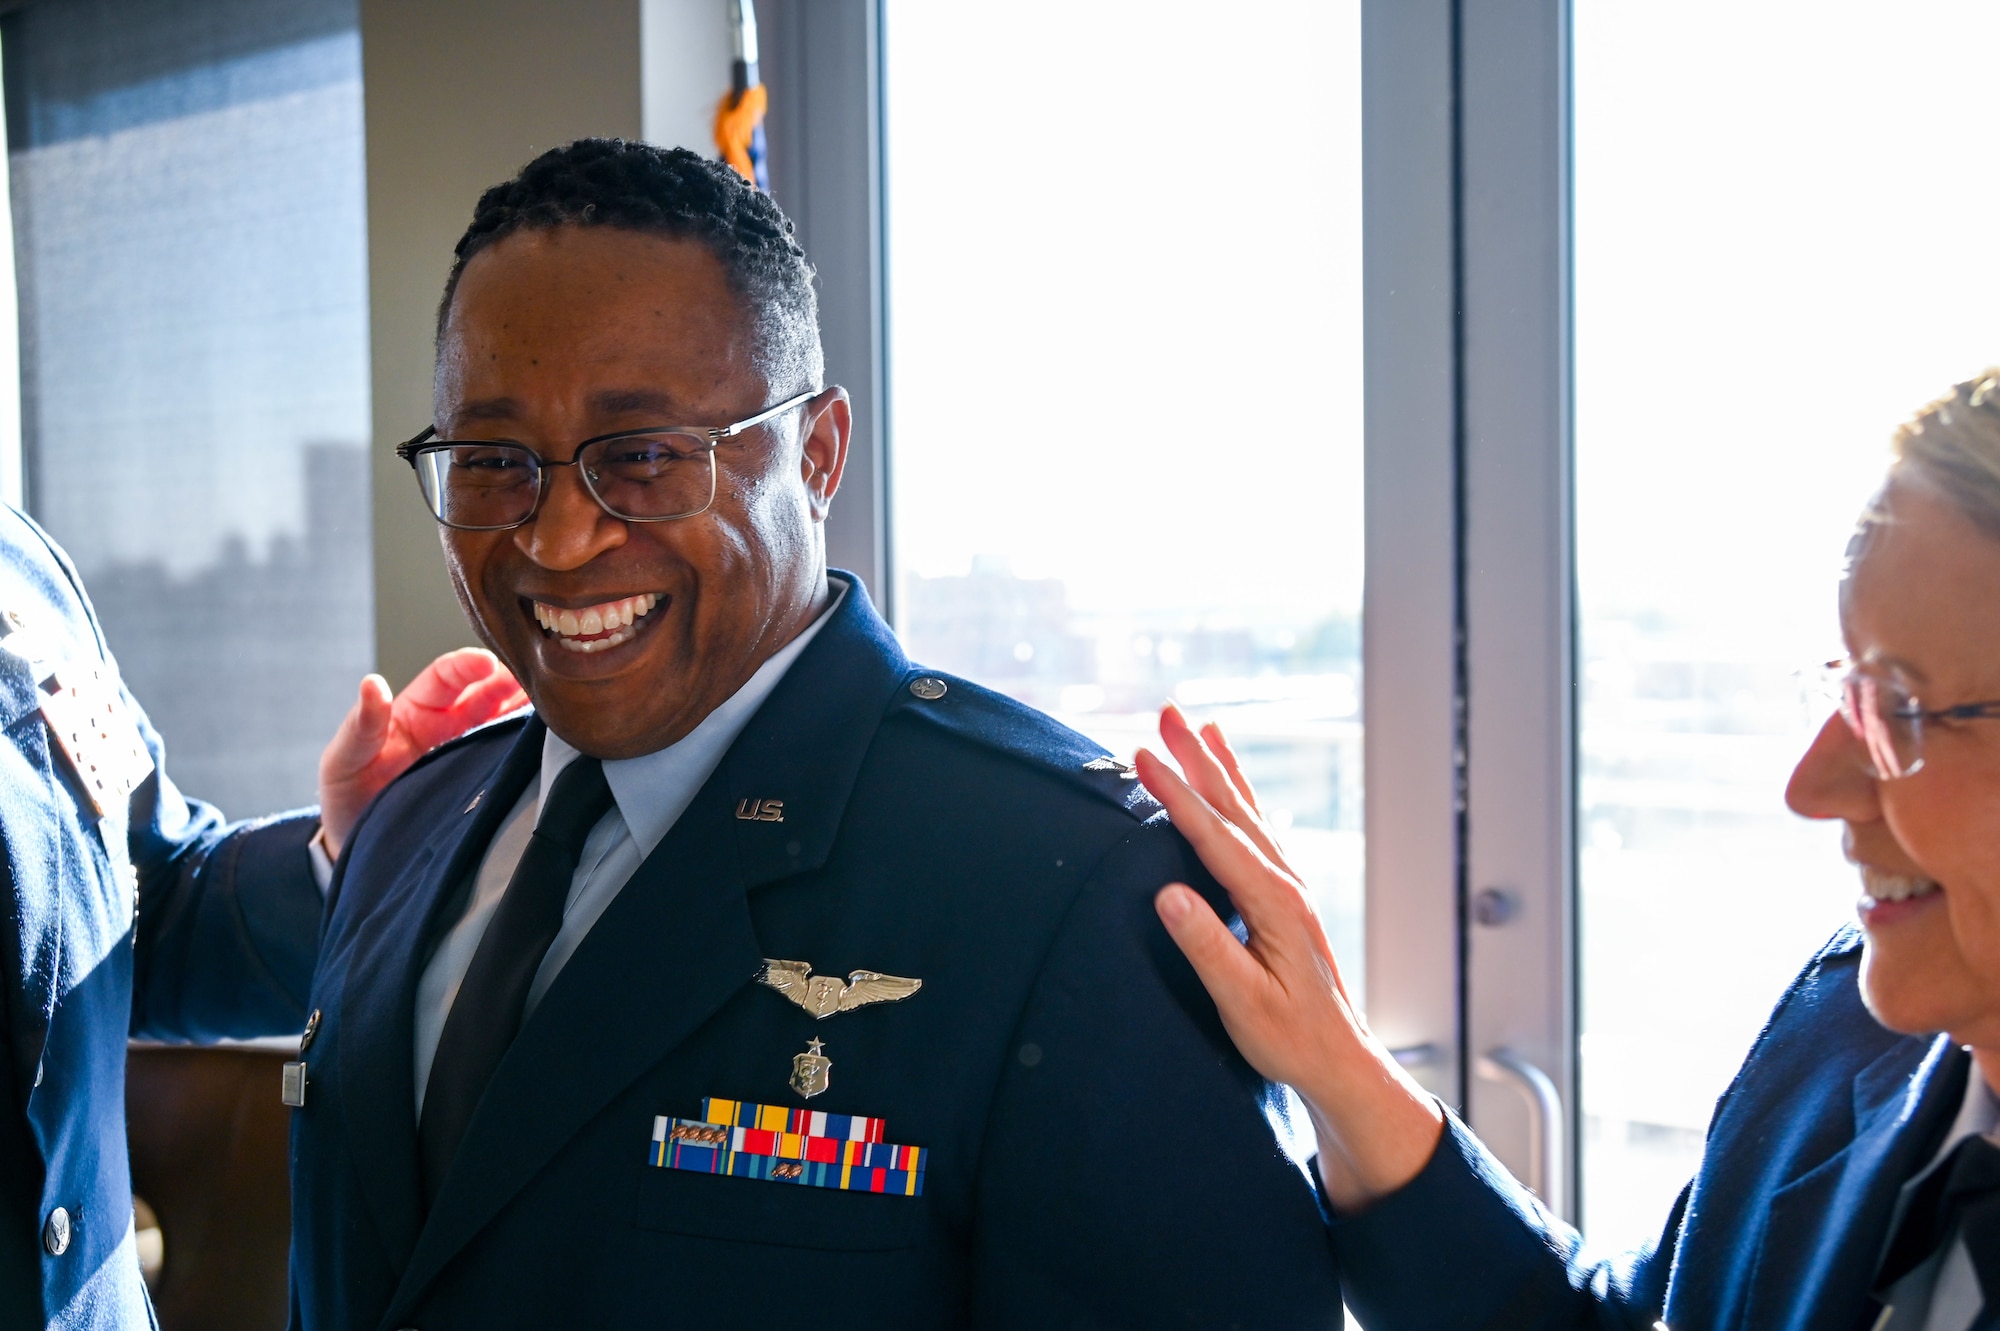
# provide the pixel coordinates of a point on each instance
(100, 946)
(1781, 1230)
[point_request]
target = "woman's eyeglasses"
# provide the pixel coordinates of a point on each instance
(1888, 718)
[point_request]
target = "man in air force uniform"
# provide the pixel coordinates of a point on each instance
(125, 908)
(761, 977)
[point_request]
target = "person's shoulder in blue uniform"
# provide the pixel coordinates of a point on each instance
(954, 709)
(1777, 1228)
(122, 921)
(1138, 1170)
(1131, 1168)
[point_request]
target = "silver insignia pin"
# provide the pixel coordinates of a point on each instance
(292, 1090)
(824, 995)
(810, 1070)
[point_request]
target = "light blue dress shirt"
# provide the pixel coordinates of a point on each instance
(651, 792)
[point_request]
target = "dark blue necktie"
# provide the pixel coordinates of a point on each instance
(1962, 1196)
(486, 1015)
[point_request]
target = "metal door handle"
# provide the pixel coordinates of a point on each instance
(1418, 1055)
(1546, 1150)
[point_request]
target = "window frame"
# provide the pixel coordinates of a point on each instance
(1469, 567)
(1466, 157)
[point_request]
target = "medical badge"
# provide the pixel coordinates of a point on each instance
(825, 996)
(810, 1069)
(779, 1145)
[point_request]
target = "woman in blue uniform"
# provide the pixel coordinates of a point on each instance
(1848, 1179)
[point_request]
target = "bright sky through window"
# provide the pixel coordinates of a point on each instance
(1126, 304)
(1783, 218)
(1125, 374)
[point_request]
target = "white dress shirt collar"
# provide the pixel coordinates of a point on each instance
(1979, 1112)
(1943, 1293)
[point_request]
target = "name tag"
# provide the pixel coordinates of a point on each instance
(89, 721)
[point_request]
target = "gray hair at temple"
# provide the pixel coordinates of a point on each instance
(1952, 448)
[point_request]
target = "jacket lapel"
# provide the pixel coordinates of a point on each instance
(1823, 1238)
(677, 942)
(378, 998)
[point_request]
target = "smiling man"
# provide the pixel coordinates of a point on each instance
(759, 974)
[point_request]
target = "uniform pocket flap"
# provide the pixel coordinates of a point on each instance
(749, 1210)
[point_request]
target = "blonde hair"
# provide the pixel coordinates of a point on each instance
(1953, 446)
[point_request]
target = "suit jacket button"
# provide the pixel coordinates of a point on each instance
(930, 688)
(55, 1234)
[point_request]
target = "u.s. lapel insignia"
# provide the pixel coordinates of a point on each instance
(810, 1070)
(825, 995)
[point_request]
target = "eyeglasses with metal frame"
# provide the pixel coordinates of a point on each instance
(1883, 712)
(651, 475)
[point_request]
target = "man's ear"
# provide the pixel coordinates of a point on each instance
(829, 420)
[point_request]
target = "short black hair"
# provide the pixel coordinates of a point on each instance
(669, 192)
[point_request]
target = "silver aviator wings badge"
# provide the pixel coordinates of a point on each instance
(825, 995)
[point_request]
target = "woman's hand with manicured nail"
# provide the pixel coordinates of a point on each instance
(1280, 994)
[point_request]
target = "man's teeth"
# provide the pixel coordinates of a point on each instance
(1882, 886)
(579, 630)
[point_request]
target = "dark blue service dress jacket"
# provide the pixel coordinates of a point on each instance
(1781, 1230)
(1099, 1156)
(154, 919)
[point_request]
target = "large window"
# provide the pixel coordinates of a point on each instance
(1124, 320)
(191, 259)
(1780, 229)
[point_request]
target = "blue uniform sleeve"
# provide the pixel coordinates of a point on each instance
(226, 920)
(1129, 1174)
(228, 916)
(1510, 1265)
